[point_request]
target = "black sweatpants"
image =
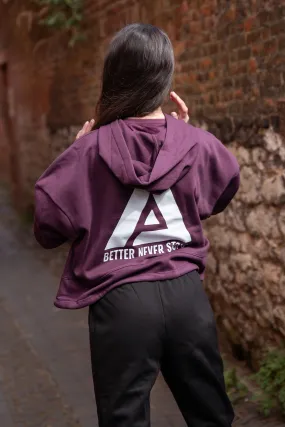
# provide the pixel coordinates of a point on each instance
(141, 328)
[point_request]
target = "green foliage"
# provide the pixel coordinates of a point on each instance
(236, 389)
(271, 380)
(65, 15)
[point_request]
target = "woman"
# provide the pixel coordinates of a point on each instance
(131, 196)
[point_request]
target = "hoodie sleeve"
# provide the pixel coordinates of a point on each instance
(218, 177)
(52, 227)
(58, 194)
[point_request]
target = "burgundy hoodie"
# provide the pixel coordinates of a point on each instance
(130, 197)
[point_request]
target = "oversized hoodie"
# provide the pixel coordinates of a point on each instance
(130, 197)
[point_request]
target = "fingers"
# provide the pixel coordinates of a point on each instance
(175, 115)
(182, 107)
(87, 127)
(83, 130)
(79, 134)
(90, 125)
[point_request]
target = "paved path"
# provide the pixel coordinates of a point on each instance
(45, 374)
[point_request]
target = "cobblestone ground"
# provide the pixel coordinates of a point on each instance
(45, 375)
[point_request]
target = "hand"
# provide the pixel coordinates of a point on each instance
(87, 127)
(182, 108)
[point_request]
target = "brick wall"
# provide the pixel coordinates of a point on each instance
(4, 157)
(230, 67)
(230, 70)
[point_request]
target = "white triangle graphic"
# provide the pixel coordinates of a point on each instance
(176, 229)
(151, 219)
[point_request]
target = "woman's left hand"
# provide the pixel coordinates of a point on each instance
(87, 127)
(182, 108)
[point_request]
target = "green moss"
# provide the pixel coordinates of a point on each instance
(236, 389)
(271, 380)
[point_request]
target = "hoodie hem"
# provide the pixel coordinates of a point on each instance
(68, 303)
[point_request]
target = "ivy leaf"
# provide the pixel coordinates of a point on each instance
(63, 14)
(73, 21)
(55, 20)
(74, 4)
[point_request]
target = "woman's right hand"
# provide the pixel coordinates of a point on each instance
(182, 108)
(87, 127)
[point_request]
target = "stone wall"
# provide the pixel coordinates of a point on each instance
(231, 71)
(246, 265)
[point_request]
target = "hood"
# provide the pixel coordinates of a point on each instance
(142, 157)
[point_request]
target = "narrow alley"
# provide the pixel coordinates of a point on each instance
(45, 373)
(221, 68)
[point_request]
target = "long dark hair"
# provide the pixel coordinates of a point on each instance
(137, 73)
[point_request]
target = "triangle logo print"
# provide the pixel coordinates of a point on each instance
(149, 218)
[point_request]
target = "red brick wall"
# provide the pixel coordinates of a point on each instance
(4, 147)
(230, 68)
